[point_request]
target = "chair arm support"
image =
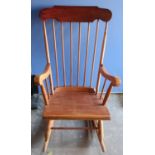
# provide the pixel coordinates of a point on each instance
(40, 78)
(115, 81)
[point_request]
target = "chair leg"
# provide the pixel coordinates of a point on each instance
(100, 135)
(90, 125)
(48, 134)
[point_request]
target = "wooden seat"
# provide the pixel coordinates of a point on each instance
(70, 101)
(75, 106)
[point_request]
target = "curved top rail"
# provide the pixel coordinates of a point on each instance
(76, 13)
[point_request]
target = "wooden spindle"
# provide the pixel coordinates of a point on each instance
(74, 128)
(44, 94)
(86, 58)
(55, 51)
(51, 83)
(94, 55)
(71, 54)
(101, 56)
(98, 82)
(107, 94)
(103, 88)
(47, 88)
(63, 57)
(104, 43)
(46, 43)
(79, 42)
(48, 55)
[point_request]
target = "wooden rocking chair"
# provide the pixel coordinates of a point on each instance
(78, 102)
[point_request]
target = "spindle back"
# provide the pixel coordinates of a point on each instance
(72, 14)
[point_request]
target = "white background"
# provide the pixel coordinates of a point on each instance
(139, 77)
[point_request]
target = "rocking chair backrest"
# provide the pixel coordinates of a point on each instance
(74, 14)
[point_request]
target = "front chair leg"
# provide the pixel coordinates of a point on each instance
(100, 135)
(50, 124)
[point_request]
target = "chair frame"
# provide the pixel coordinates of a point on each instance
(75, 14)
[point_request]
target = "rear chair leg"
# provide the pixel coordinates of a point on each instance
(101, 135)
(90, 125)
(48, 133)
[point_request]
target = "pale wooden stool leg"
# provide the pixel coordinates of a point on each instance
(101, 135)
(48, 134)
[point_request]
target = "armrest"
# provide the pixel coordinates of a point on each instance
(115, 81)
(40, 78)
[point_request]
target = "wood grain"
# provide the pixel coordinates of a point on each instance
(75, 102)
(74, 89)
(75, 106)
(76, 13)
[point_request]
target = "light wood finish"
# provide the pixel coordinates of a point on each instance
(46, 42)
(79, 42)
(75, 89)
(100, 135)
(74, 128)
(98, 124)
(48, 132)
(40, 78)
(47, 54)
(101, 56)
(104, 43)
(98, 82)
(114, 80)
(55, 51)
(75, 106)
(94, 54)
(51, 83)
(63, 57)
(47, 89)
(86, 58)
(103, 88)
(75, 102)
(71, 55)
(107, 94)
(46, 101)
